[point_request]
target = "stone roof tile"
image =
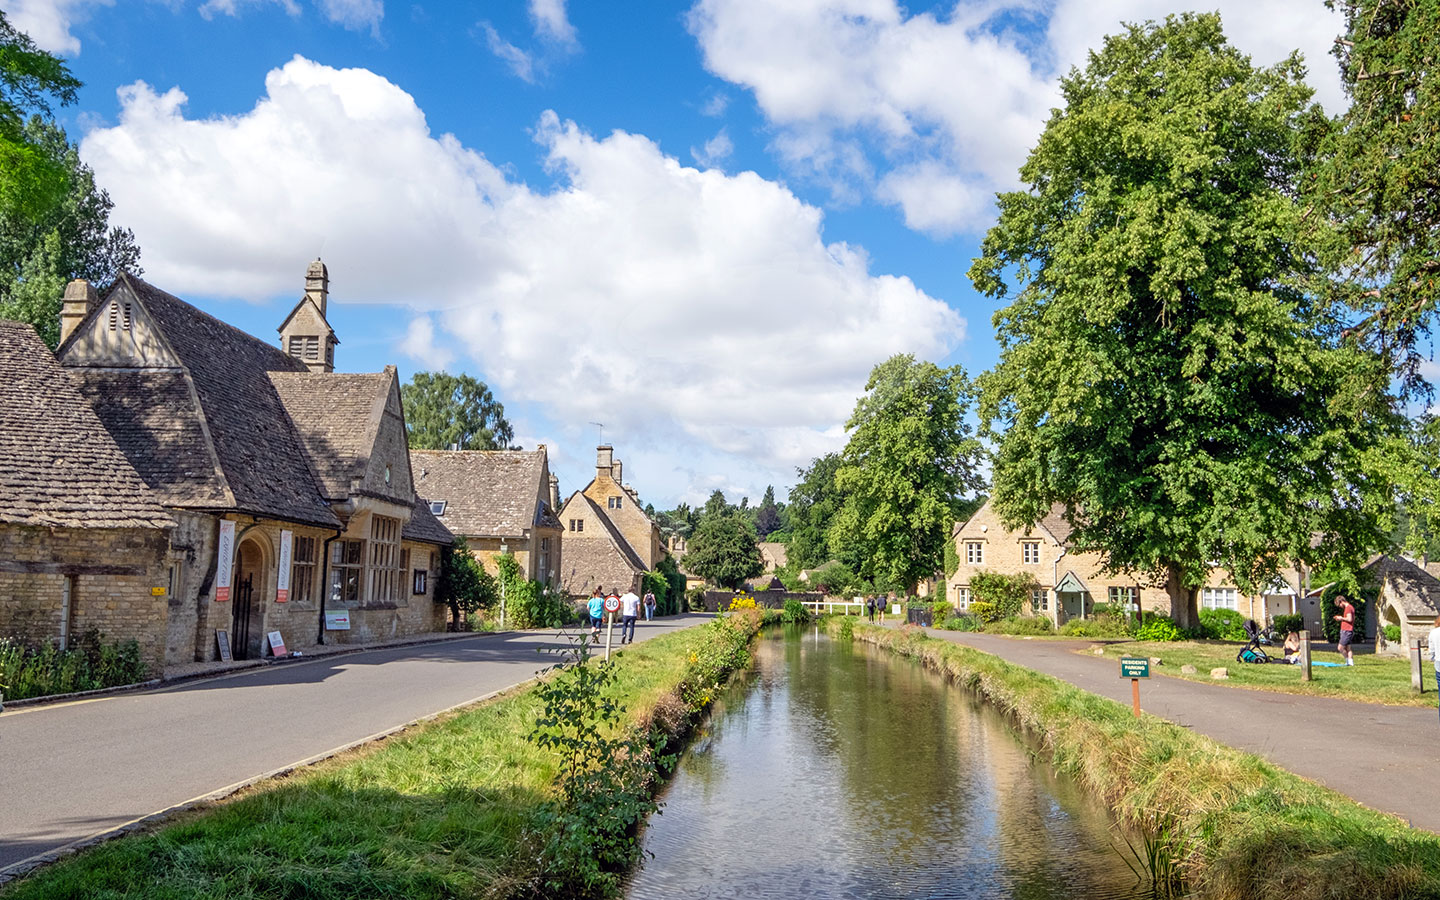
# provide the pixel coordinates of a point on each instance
(487, 493)
(336, 418)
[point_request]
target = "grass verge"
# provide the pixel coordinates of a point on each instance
(1236, 826)
(1373, 679)
(454, 808)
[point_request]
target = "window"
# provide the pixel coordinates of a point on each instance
(544, 573)
(577, 524)
(1030, 552)
(974, 553)
(305, 347)
(1040, 600)
(1125, 598)
(347, 561)
(437, 507)
(302, 570)
(420, 576)
(614, 502)
(962, 598)
(1220, 598)
(386, 563)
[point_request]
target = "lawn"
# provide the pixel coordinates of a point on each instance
(1373, 679)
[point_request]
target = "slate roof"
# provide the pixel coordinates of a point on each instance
(1415, 590)
(261, 461)
(487, 493)
(59, 467)
(337, 417)
(597, 560)
(423, 526)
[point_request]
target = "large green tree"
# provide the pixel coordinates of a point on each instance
(31, 80)
(910, 457)
(1378, 179)
(813, 505)
(1164, 375)
(724, 551)
(443, 411)
(767, 514)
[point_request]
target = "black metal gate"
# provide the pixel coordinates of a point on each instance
(240, 627)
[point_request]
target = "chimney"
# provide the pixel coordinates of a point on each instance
(615, 471)
(317, 284)
(80, 298)
(604, 458)
(554, 494)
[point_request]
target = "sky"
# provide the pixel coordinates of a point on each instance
(689, 231)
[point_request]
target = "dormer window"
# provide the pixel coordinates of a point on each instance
(437, 507)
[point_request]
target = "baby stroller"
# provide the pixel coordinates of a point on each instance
(1252, 652)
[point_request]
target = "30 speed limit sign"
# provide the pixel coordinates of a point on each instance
(612, 604)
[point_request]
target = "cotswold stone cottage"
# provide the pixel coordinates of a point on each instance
(84, 544)
(609, 540)
(500, 501)
(290, 485)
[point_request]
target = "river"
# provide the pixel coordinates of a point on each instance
(840, 770)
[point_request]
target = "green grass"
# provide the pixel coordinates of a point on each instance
(445, 810)
(1238, 827)
(1373, 679)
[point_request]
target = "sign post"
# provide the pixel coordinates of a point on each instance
(1134, 668)
(612, 605)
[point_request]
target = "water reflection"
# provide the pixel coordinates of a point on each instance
(837, 770)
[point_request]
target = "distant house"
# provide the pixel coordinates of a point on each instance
(499, 501)
(1069, 583)
(84, 543)
(773, 554)
(290, 484)
(1409, 597)
(609, 540)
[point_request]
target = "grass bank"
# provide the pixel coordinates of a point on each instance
(1373, 679)
(1237, 827)
(462, 807)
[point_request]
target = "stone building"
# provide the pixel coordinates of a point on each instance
(500, 501)
(84, 543)
(609, 540)
(290, 484)
(1069, 583)
(1409, 598)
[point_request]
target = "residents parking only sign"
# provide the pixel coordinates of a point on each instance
(1134, 667)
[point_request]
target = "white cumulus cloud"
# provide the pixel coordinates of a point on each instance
(700, 309)
(48, 22)
(946, 106)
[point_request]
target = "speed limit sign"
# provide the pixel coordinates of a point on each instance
(612, 604)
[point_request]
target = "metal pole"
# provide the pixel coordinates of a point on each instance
(609, 629)
(1304, 656)
(502, 604)
(1135, 695)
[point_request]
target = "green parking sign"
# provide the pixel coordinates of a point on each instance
(1134, 667)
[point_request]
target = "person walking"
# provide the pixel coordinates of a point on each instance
(596, 608)
(629, 611)
(1346, 618)
(649, 604)
(1435, 649)
(870, 609)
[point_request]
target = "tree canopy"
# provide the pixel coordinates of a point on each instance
(814, 503)
(724, 551)
(910, 457)
(444, 410)
(31, 179)
(1164, 376)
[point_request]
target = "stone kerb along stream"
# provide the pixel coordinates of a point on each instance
(840, 770)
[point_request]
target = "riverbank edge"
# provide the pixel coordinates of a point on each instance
(235, 848)
(1237, 826)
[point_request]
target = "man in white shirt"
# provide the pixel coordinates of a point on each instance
(1435, 649)
(629, 611)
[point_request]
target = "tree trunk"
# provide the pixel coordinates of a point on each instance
(1183, 607)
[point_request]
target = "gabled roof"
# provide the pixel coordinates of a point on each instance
(487, 493)
(337, 417)
(59, 467)
(423, 526)
(319, 315)
(603, 559)
(1416, 591)
(259, 465)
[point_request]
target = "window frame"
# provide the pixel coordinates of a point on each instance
(1214, 597)
(975, 553)
(1030, 553)
(303, 563)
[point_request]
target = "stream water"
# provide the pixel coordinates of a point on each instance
(839, 770)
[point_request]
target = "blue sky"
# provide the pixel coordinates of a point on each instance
(700, 225)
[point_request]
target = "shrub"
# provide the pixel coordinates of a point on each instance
(795, 612)
(1285, 624)
(1021, 625)
(1158, 628)
(847, 628)
(940, 610)
(1222, 625)
(695, 599)
(1392, 633)
(1104, 625)
(92, 664)
(742, 601)
(985, 612)
(960, 623)
(1010, 594)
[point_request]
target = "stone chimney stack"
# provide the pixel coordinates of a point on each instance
(317, 284)
(554, 494)
(80, 298)
(604, 459)
(615, 471)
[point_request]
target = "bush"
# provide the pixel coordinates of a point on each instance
(1328, 609)
(847, 628)
(1392, 633)
(1009, 594)
(1285, 624)
(940, 610)
(1021, 625)
(695, 599)
(985, 612)
(1158, 628)
(92, 664)
(741, 601)
(795, 612)
(1104, 625)
(960, 623)
(1222, 625)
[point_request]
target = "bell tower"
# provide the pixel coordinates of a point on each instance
(306, 333)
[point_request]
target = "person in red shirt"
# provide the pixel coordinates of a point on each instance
(1346, 618)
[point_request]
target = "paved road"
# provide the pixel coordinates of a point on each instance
(1383, 756)
(73, 770)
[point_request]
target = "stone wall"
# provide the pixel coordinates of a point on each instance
(114, 575)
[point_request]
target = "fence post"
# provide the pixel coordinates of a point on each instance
(1305, 656)
(1417, 679)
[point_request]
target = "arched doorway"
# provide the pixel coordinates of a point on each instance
(246, 631)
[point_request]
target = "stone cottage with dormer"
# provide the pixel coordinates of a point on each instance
(609, 540)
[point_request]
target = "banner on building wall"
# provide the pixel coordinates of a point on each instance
(224, 560)
(282, 579)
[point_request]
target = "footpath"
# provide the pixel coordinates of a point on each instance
(1381, 756)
